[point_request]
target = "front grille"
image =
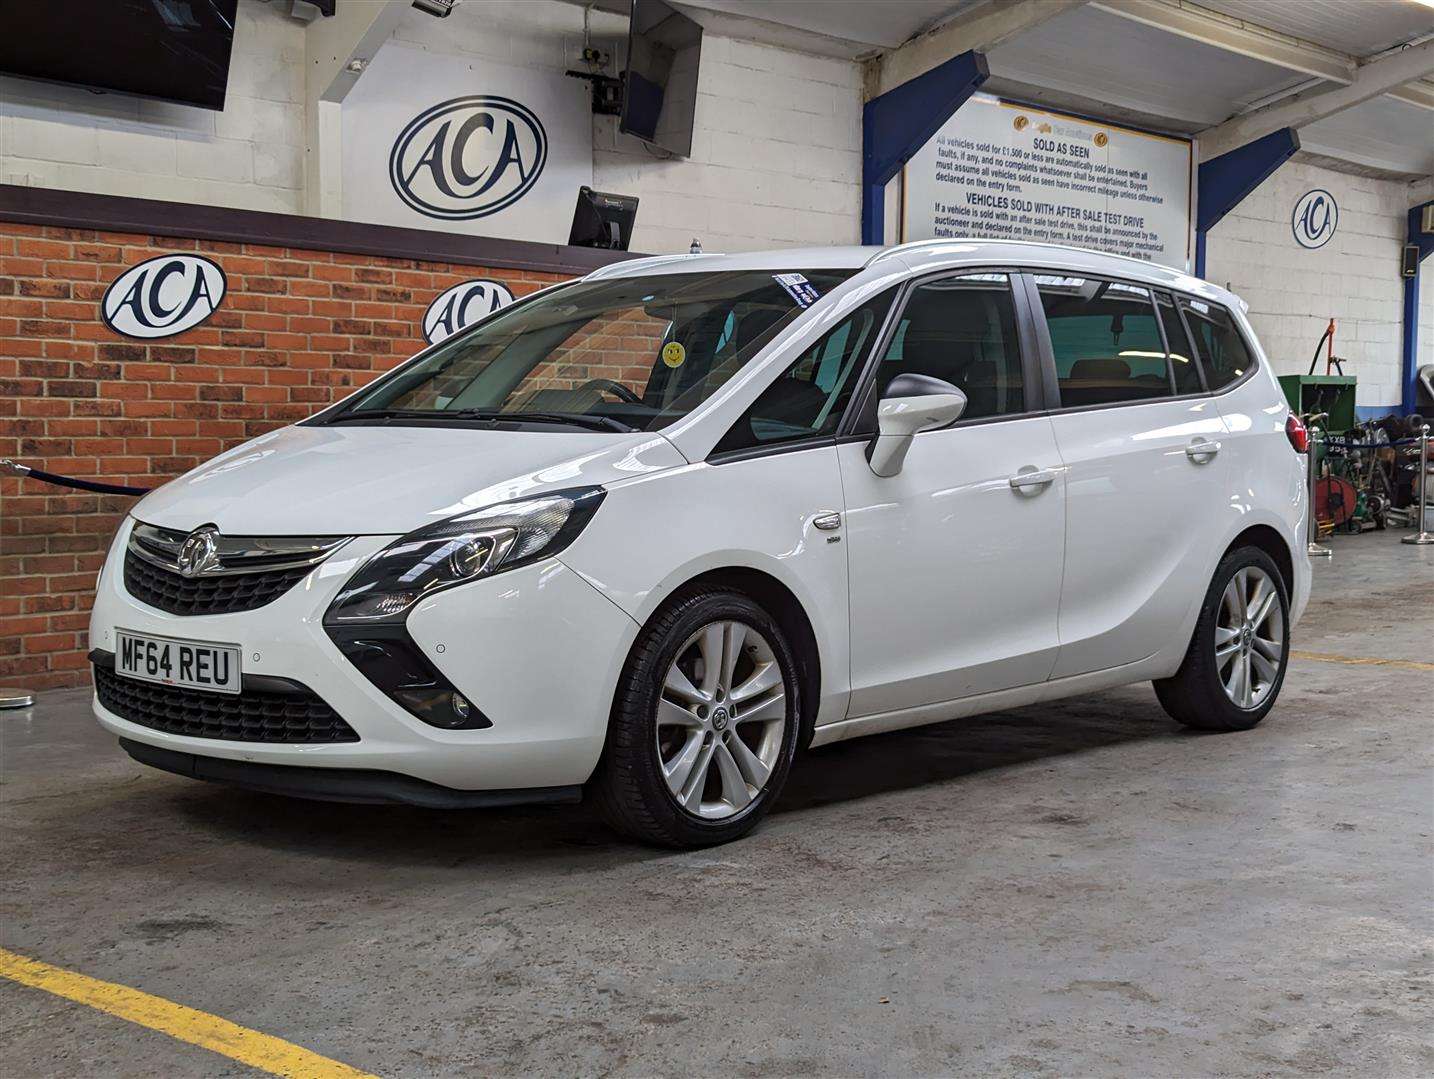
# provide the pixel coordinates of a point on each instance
(177, 594)
(251, 716)
(207, 572)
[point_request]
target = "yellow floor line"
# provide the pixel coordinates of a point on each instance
(1362, 661)
(273, 1055)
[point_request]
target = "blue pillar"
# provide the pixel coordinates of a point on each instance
(1409, 353)
(901, 121)
(1224, 182)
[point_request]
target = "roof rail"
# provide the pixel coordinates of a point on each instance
(913, 245)
(615, 269)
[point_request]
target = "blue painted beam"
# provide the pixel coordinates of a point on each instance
(1409, 353)
(901, 121)
(1224, 182)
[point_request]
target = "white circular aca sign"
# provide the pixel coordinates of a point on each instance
(461, 306)
(163, 296)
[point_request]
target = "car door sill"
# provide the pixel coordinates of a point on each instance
(1152, 666)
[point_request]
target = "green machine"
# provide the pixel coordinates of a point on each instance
(1329, 393)
(1322, 393)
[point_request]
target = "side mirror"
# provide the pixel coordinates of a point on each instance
(910, 404)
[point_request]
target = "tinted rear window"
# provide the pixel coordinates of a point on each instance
(1222, 350)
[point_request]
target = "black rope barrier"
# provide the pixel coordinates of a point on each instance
(15, 468)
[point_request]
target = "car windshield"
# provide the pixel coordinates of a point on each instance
(623, 354)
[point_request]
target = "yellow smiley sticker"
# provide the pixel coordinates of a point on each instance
(673, 354)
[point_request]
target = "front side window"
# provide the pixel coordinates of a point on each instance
(1222, 349)
(623, 354)
(962, 330)
(807, 400)
(1106, 340)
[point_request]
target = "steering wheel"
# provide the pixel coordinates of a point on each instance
(617, 389)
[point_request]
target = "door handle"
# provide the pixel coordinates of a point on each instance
(1030, 477)
(1202, 450)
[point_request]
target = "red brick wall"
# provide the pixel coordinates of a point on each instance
(296, 330)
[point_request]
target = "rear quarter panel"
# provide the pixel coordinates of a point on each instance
(1267, 478)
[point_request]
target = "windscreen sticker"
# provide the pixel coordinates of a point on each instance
(798, 287)
(673, 354)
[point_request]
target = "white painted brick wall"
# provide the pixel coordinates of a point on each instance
(776, 151)
(250, 156)
(1354, 278)
(776, 156)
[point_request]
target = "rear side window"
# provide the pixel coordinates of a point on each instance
(808, 398)
(1106, 339)
(962, 330)
(1222, 350)
(1182, 355)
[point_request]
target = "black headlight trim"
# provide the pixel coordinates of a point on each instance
(369, 580)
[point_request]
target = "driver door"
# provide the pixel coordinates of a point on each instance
(955, 574)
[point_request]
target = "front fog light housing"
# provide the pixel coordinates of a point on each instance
(389, 658)
(461, 549)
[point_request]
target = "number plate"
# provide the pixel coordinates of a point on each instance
(191, 664)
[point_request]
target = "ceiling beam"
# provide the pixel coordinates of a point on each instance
(977, 29)
(1371, 80)
(1234, 35)
(745, 27)
(1420, 93)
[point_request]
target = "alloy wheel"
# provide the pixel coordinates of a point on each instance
(721, 719)
(1249, 637)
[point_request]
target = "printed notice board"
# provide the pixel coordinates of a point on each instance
(1001, 170)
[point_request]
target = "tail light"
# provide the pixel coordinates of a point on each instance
(1297, 433)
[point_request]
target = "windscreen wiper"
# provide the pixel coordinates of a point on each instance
(576, 419)
(488, 415)
(384, 414)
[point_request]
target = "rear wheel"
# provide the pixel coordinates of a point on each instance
(705, 724)
(1236, 662)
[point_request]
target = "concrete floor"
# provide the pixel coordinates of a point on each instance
(1076, 889)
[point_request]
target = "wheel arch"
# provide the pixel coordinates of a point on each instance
(783, 605)
(1273, 543)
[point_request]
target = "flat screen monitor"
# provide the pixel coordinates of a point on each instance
(659, 101)
(603, 220)
(174, 50)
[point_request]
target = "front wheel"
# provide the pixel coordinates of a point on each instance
(704, 726)
(1236, 662)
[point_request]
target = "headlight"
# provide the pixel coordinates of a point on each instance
(462, 549)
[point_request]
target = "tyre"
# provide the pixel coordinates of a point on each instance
(704, 724)
(1236, 662)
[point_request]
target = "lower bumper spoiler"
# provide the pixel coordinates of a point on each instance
(360, 785)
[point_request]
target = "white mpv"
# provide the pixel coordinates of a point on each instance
(648, 534)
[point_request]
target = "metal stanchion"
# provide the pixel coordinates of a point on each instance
(1315, 549)
(1423, 535)
(10, 696)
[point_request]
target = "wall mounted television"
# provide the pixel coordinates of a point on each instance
(173, 50)
(659, 100)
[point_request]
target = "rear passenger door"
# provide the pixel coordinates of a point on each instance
(1146, 485)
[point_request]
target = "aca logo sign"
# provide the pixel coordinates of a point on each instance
(1315, 218)
(461, 306)
(468, 157)
(163, 296)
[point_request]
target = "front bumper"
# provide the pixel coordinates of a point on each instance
(537, 649)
